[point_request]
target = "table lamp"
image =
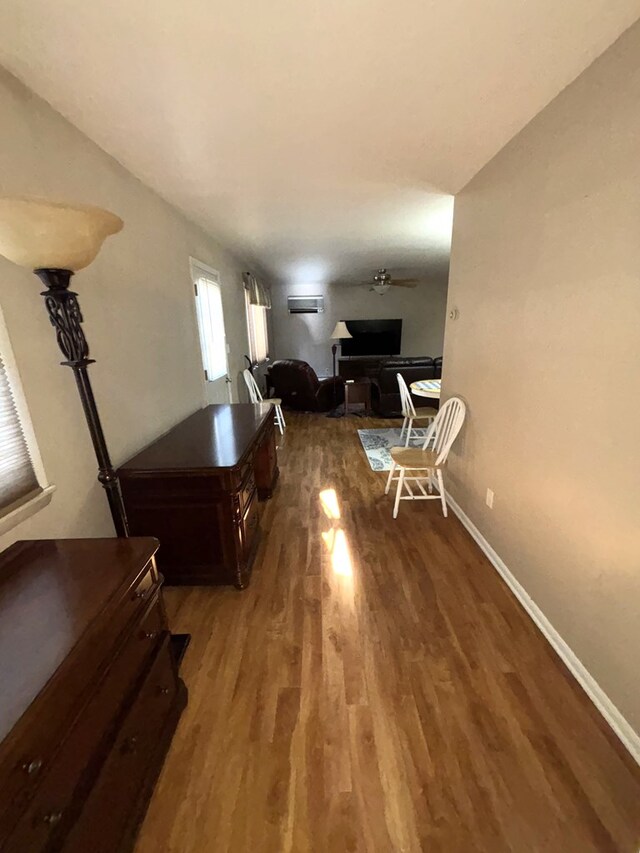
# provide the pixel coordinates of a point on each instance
(55, 240)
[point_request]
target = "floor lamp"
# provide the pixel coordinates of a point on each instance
(55, 240)
(339, 333)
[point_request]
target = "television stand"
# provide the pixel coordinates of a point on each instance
(360, 366)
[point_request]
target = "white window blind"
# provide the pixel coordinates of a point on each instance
(17, 474)
(258, 331)
(211, 325)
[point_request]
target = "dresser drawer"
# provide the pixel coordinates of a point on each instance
(112, 800)
(250, 527)
(246, 469)
(247, 492)
(65, 783)
(54, 712)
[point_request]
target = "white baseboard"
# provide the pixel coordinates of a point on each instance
(623, 729)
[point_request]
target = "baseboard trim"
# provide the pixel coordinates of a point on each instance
(622, 728)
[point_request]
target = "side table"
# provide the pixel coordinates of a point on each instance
(357, 391)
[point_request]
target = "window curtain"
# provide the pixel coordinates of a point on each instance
(258, 293)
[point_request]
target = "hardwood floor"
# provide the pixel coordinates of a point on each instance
(378, 688)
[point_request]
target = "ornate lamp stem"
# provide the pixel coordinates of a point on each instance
(64, 313)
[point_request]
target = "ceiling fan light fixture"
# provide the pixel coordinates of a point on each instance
(382, 277)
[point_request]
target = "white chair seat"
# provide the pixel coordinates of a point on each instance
(423, 412)
(415, 458)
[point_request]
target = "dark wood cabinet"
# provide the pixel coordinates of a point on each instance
(197, 490)
(360, 367)
(90, 693)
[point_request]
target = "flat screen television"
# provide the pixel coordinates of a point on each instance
(373, 337)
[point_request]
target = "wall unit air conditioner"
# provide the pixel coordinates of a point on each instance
(305, 304)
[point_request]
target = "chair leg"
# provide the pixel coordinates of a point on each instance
(281, 416)
(396, 505)
(406, 444)
(441, 489)
(390, 477)
(278, 421)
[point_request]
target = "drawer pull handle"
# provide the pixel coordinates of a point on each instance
(32, 767)
(140, 593)
(150, 635)
(164, 690)
(52, 818)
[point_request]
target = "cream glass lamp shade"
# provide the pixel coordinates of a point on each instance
(340, 331)
(41, 234)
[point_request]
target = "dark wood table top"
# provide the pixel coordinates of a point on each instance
(218, 436)
(51, 591)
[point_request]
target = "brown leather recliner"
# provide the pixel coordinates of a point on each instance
(298, 386)
(385, 394)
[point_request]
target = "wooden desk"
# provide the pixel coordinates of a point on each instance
(197, 489)
(90, 693)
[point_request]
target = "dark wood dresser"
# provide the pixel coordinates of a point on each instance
(197, 490)
(90, 695)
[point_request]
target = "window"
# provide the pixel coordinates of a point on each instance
(258, 331)
(17, 476)
(22, 478)
(210, 323)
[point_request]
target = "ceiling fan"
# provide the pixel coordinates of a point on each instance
(383, 280)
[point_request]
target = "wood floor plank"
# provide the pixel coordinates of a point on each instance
(377, 688)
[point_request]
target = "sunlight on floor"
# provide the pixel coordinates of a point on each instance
(335, 538)
(329, 503)
(336, 542)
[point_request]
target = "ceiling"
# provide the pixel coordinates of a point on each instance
(319, 139)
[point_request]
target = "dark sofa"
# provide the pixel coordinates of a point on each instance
(385, 395)
(298, 386)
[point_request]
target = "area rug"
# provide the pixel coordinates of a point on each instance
(378, 442)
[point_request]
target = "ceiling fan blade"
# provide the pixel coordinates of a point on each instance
(404, 282)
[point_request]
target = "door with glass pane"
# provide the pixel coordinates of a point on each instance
(213, 341)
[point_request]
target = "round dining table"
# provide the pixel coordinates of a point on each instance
(426, 388)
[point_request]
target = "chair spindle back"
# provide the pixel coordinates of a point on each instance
(445, 428)
(252, 385)
(408, 409)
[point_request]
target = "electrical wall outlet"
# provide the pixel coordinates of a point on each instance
(489, 498)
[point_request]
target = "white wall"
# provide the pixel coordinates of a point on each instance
(138, 308)
(545, 272)
(306, 336)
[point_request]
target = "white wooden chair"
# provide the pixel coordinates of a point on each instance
(256, 397)
(409, 411)
(426, 465)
